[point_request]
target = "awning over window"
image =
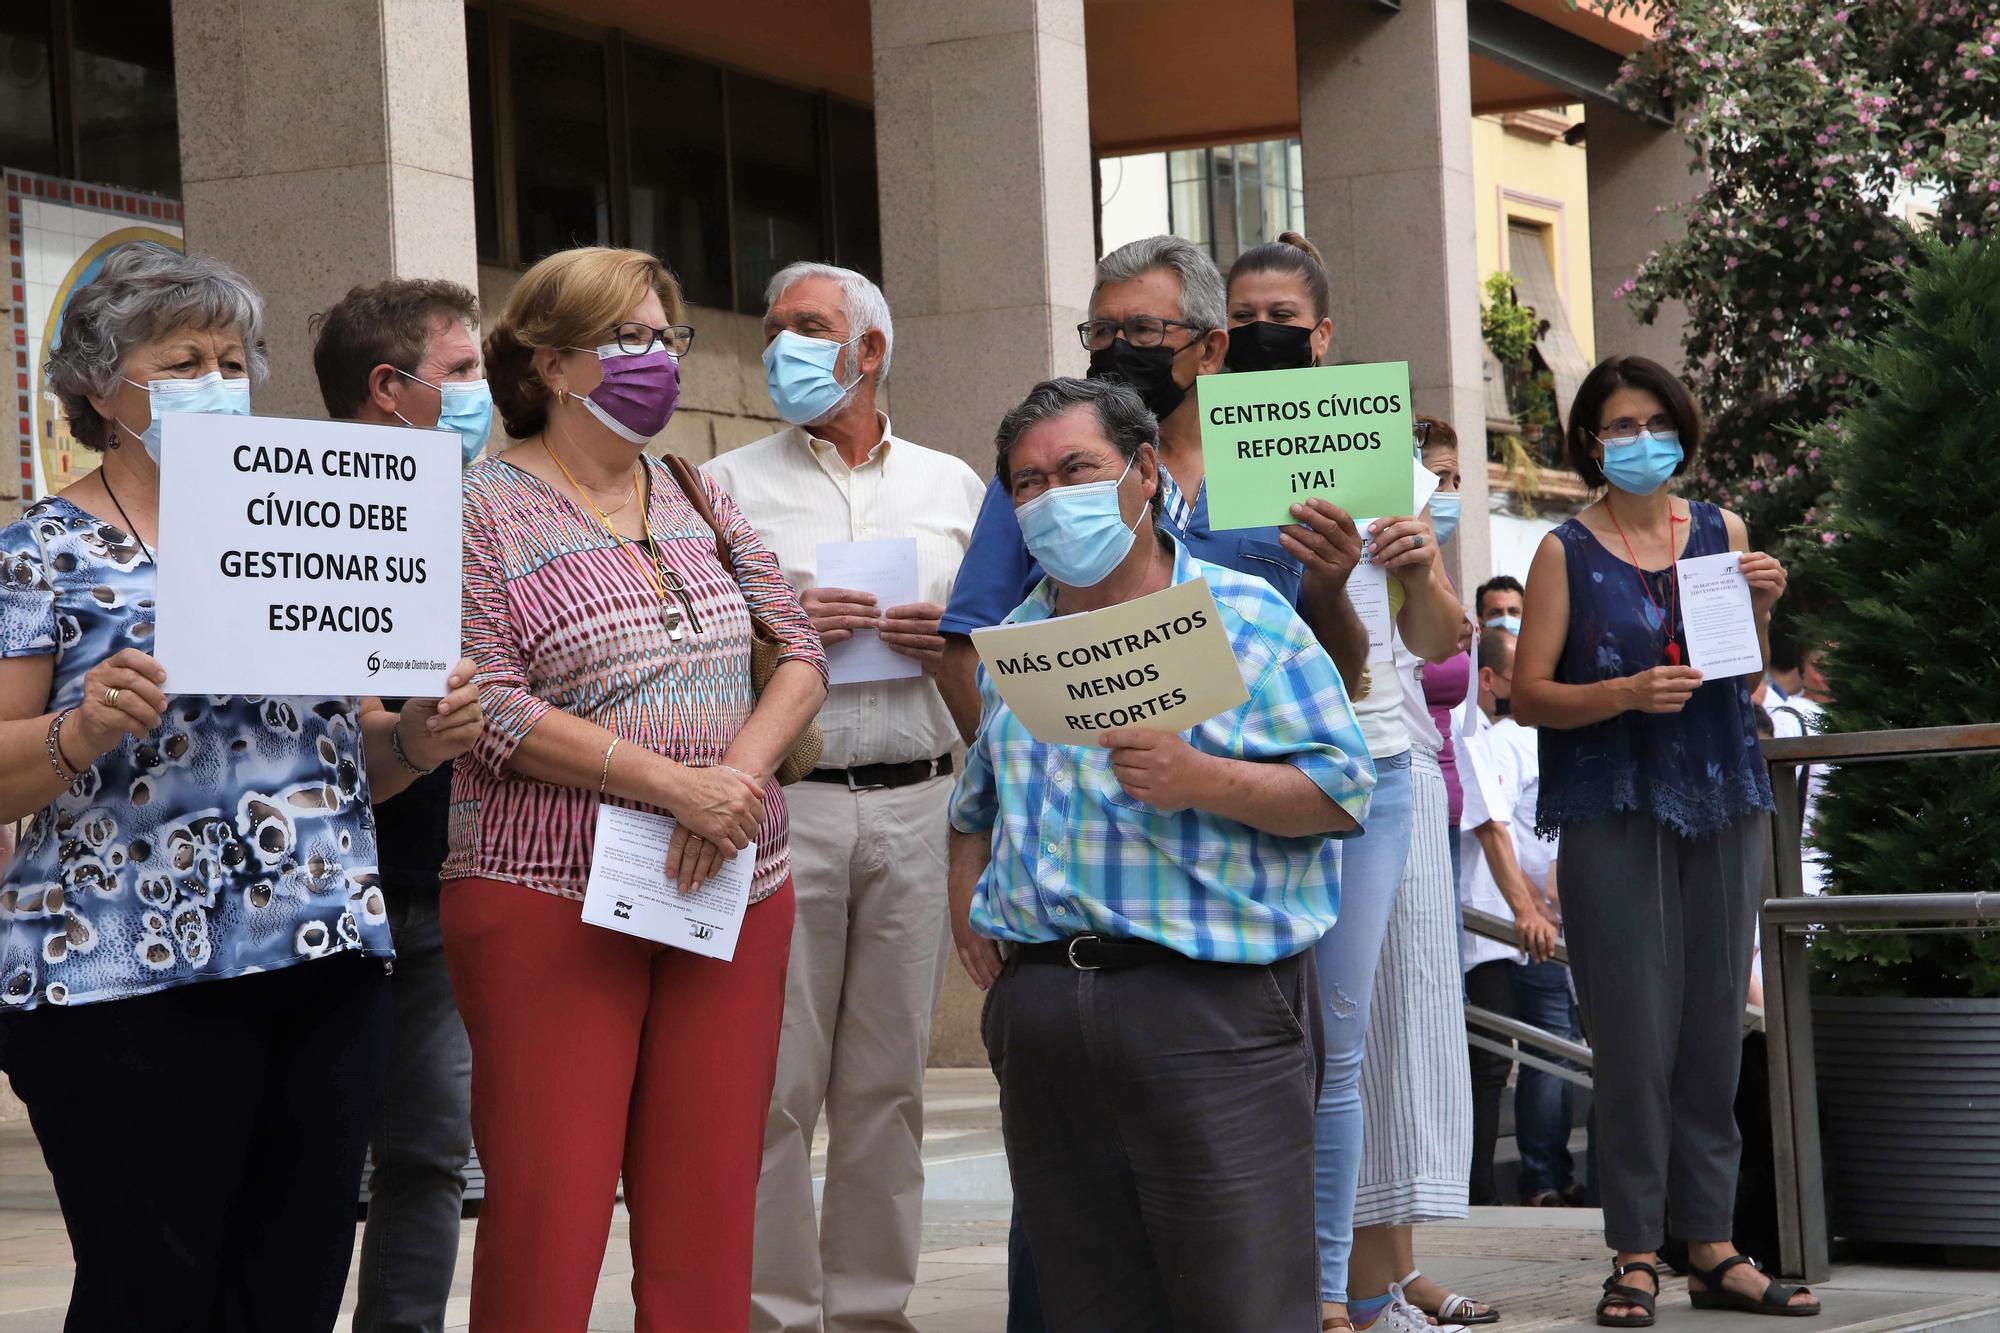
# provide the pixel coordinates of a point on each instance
(1535, 281)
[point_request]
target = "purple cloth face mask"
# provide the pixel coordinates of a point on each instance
(639, 392)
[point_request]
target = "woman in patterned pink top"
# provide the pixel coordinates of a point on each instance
(614, 665)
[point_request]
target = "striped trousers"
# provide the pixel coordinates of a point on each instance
(1416, 1080)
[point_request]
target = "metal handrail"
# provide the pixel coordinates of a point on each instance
(1508, 1026)
(1840, 909)
(1501, 928)
(1803, 1246)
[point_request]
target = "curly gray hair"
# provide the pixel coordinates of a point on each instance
(144, 291)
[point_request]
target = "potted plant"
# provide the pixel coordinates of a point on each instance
(1907, 1026)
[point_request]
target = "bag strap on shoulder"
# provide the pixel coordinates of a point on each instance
(697, 495)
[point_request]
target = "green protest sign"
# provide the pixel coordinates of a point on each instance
(1272, 438)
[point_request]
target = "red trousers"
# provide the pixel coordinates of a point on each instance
(595, 1053)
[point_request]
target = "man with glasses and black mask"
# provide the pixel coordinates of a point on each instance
(406, 353)
(1159, 321)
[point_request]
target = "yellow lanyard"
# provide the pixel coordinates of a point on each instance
(651, 569)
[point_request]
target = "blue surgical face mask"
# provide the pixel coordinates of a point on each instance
(802, 375)
(1077, 533)
(1640, 464)
(1512, 624)
(210, 394)
(464, 406)
(1444, 514)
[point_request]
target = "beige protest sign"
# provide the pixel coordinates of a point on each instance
(1163, 662)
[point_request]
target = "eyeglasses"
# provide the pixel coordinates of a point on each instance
(1139, 330)
(1421, 430)
(637, 338)
(1625, 427)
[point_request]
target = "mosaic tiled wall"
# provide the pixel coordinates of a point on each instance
(58, 232)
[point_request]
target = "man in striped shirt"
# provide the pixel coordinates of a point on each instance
(1143, 914)
(867, 825)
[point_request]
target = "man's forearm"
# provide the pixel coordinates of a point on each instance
(1498, 844)
(958, 682)
(1271, 796)
(1329, 613)
(969, 855)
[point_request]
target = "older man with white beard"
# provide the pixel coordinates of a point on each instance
(868, 826)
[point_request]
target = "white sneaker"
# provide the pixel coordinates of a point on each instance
(1399, 1316)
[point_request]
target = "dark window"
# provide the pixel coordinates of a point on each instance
(775, 160)
(857, 217)
(27, 102)
(562, 143)
(679, 205)
(725, 176)
(479, 81)
(122, 92)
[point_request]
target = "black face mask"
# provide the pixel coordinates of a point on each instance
(1148, 371)
(1503, 704)
(1267, 346)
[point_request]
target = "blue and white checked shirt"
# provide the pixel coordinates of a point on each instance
(1074, 854)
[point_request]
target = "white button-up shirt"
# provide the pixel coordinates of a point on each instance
(798, 491)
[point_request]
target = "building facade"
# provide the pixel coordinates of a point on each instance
(956, 148)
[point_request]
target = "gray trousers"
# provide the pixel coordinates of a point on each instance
(422, 1138)
(1659, 929)
(1159, 1131)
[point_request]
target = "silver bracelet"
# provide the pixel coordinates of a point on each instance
(402, 757)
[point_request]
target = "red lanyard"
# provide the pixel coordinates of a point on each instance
(1666, 614)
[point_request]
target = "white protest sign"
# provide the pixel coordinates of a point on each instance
(307, 557)
(1717, 613)
(1162, 661)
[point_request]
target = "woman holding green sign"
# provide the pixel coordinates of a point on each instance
(1278, 299)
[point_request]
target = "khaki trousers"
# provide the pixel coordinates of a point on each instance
(868, 952)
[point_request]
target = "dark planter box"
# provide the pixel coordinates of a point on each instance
(1909, 1100)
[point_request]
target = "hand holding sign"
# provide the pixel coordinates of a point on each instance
(1156, 767)
(837, 612)
(121, 697)
(1766, 577)
(1325, 540)
(437, 731)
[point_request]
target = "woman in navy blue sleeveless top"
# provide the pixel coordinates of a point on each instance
(1652, 777)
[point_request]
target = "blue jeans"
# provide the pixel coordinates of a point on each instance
(1371, 870)
(1542, 1106)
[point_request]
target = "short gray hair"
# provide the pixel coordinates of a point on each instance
(1204, 301)
(861, 300)
(1121, 414)
(145, 291)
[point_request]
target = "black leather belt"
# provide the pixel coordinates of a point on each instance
(1092, 953)
(870, 777)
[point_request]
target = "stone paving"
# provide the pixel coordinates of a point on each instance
(1541, 1267)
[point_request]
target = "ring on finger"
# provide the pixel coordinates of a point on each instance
(1416, 541)
(111, 693)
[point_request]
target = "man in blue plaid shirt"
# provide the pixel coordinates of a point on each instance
(1152, 1015)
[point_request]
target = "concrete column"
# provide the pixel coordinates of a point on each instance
(322, 146)
(1637, 171)
(982, 140)
(1385, 119)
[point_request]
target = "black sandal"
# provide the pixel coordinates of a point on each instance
(1616, 1293)
(1776, 1300)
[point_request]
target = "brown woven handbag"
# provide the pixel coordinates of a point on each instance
(765, 645)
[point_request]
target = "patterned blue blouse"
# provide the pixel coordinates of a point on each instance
(237, 838)
(1696, 771)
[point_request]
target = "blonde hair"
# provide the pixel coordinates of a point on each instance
(574, 298)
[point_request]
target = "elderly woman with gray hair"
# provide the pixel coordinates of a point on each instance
(193, 945)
